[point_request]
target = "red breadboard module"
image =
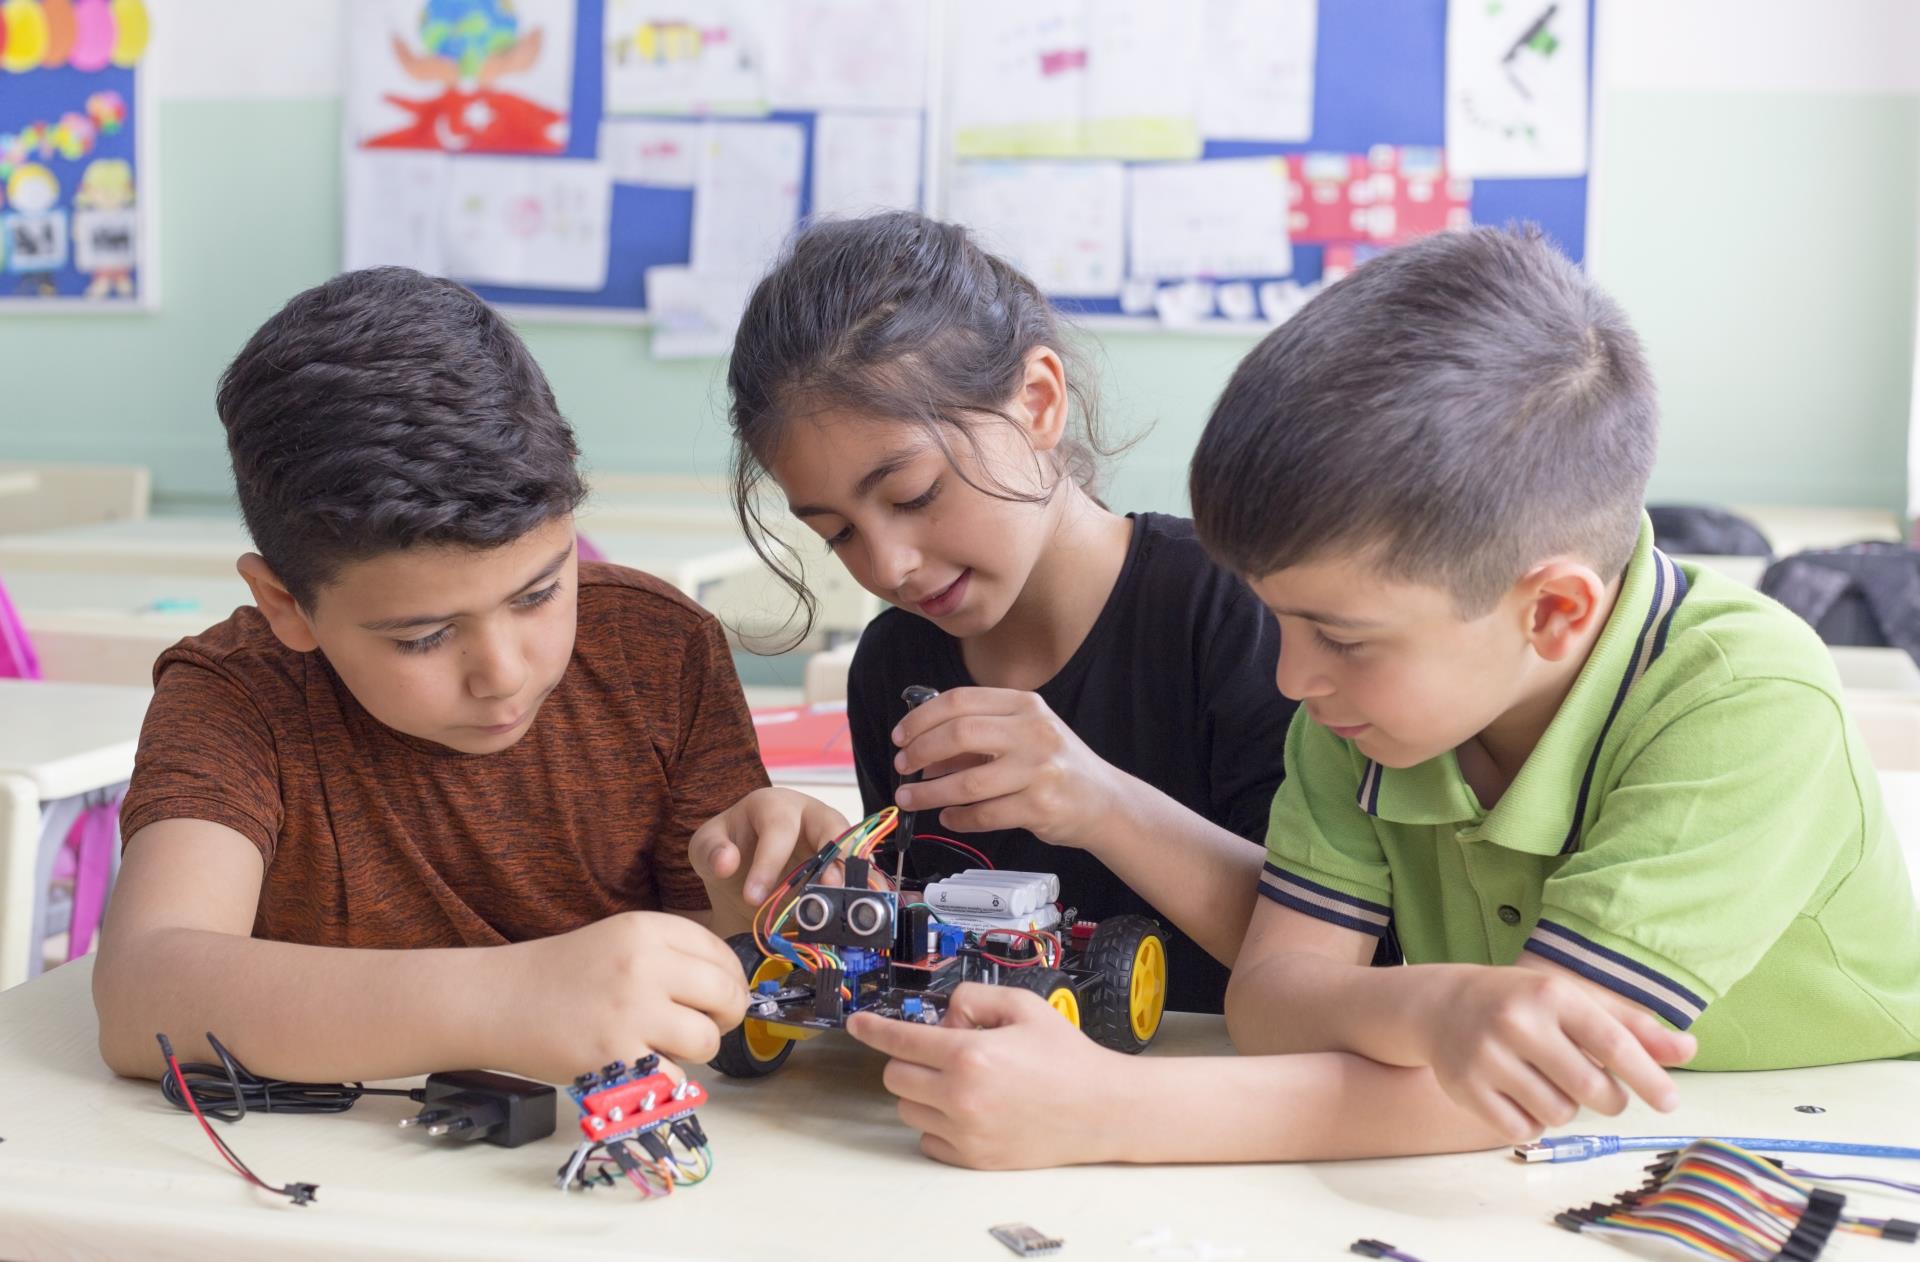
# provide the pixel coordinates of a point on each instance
(638, 1123)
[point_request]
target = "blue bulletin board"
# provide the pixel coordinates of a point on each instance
(648, 225)
(74, 181)
(1380, 79)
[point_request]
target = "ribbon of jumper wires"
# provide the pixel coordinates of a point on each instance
(856, 843)
(1714, 1198)
(684, 1165)
(859, 842)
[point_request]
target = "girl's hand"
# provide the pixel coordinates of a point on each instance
(998, 758)
(1003, 1083)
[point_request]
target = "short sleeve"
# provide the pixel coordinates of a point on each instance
(716, 761)
(1243, 712)
(1737, 816)
(206, 752)
(1323, 856)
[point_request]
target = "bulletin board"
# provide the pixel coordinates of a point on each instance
(1390, 80)
(77, 183)
(644, 171)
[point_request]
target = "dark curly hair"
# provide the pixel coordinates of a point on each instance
(386, 409)
(904, 318)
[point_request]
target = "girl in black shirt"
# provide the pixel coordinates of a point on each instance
(1108, 710)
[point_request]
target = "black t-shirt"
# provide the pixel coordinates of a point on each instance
(1174, 684)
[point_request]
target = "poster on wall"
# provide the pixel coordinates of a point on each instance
(74, 184)
(458, 116)
(461, 76)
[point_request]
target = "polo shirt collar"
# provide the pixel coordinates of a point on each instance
(1542, 811)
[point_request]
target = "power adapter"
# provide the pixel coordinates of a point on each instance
(470, 1104)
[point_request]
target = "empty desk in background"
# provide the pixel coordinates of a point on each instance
(97, 626)
(58, 743)
(206, 546)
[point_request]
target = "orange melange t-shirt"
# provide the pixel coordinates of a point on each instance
(376, 839)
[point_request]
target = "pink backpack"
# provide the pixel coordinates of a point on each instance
(86, 856)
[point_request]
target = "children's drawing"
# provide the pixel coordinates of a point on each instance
(36, 229)
(106, 228)
(472, 76)
(1517, 87)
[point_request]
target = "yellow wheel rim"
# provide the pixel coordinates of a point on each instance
(1147, 997)
(764, 1039)
(1067, 1004)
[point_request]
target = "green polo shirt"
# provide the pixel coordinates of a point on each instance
(1699, 830)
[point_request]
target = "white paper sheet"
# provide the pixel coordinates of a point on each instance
(1062, 223)
(1143, 73)
(865, 162)
(848, 54)
(669, 57)
(651, 151)
(1019, 74)
(695, 313)
(1516, 88)
(1258, 83)
(394, 203)
(537, 222)
(746, 195)
(388, 57)
(1209, 219)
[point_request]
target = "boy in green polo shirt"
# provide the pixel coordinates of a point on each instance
(1611, 807)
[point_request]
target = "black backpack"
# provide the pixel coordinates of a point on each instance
(1864, 593)
(1686, 528)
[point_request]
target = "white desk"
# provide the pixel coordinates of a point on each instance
(810, 1163)
(177, 546)
(57, 741)
(18, 481)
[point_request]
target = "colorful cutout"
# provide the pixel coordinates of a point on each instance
(132, 32)
(26, 35)
(93, 35)
(60, 33)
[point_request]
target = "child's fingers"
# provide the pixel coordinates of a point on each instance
(1532, 1092)
(685, 1034)
(720, 993)
(1574, 1073)
(1607, 1038)
(941, 1150)
(1666, 1046)
(976, 1006)
(978, 734)
(1502, 1114)
(928, 1045)
(991, 816)
(989, 780)
(712, 851)
(951, 705)
(911, 1082)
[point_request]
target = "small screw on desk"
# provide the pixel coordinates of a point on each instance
(1808, 1108)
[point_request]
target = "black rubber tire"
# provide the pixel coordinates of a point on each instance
(1043, 982)
(735, 1059)
(1109, 957)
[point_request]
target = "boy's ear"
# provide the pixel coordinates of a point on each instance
(1564, 601)
(282, 611)
(1043, 395)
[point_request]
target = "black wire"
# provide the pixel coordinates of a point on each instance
(228, 1090)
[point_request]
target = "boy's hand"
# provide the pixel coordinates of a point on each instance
(616, 989)
(1003, 1083)
(743, 852)
(1525, 1049)
(999, 758)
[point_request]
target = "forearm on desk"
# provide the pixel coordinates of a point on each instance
(1325, 1106)
(1298, 1001)
(305, 1013)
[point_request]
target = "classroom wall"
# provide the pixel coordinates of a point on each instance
(1755, 205)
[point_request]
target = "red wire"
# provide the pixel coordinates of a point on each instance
(961, 846)
(194, 1104)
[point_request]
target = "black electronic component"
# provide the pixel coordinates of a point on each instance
(479, 1104)
(1025, 1241)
